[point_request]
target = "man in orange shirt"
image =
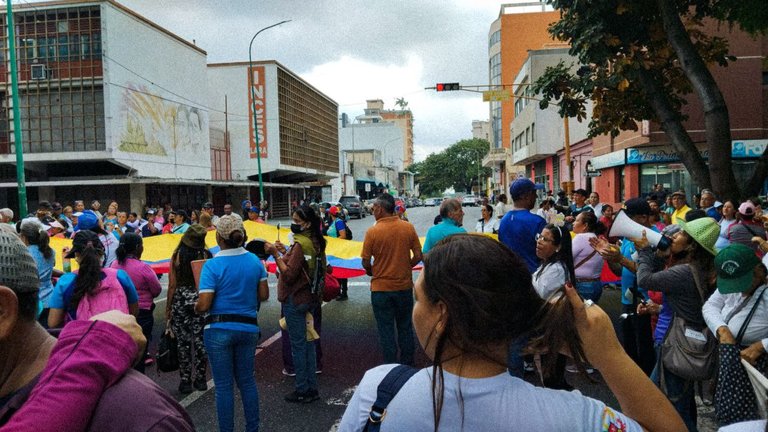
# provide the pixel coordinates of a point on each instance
(395, 248)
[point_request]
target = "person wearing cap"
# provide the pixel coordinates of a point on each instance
(254, 215)
(152, 227)
(144, 279)
(35, 237)
(39, 394)
(452, 214)
(208, 208)
(337, 228)
(738, 314)
(680, 208)
(693, 248)
(747, 227)
(245, 205)
(708, 203)
(89, 221)
(622, 262)
(92, 289)
(180, 315)
(519, 227)
(180, 222)
(232, 287)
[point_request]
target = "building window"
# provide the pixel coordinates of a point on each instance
(527, 135)
(533, 132)
(494, 39)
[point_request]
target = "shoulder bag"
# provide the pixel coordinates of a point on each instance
(387, 390)
(686, 351)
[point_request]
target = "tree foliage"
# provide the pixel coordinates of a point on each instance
(456, 166)
(641, 60)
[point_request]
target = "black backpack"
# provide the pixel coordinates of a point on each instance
(348, 231)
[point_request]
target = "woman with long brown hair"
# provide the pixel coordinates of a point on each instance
(465, 322)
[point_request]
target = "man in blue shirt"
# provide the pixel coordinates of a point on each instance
(519, 227)
(709, 204)
(453, 216)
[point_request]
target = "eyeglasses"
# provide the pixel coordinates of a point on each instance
(541, 238)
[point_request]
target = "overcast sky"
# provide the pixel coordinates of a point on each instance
(356, 50)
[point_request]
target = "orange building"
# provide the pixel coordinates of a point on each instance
(519, 28)
(404, 120)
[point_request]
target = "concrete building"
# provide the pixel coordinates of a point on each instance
(131, 119)
(538, 135)
(520, 27)
(375, 113)
(481, 129)
(633, 162)
(364, 175)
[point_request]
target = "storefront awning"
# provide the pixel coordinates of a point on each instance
(365, 180)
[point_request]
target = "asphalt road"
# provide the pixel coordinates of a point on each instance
(349, 342)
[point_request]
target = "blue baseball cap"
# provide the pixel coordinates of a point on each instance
(254, 209)
(520, 188)
(90, 222)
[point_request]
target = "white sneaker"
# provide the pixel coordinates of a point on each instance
(286, 373)
(529, 367)
(573, 369)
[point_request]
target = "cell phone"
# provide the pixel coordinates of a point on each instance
(278, 231)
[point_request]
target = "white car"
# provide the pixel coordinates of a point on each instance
(468, 200)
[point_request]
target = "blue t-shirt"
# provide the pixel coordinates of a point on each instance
(64, 288)
(628, 279)
(44, 272)
(338, 225)
(517, 230)
(233, 277)
(440, 231)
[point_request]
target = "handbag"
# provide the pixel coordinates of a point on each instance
(332, 286)
(688, 352)
(168, 353)
(735, 398)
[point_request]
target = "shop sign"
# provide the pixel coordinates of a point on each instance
(590, 170)
(654, 155)
(608, 160)
(748, 148)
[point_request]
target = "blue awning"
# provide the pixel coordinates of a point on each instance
(366, 180)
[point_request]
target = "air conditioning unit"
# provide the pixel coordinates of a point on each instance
(39, 72)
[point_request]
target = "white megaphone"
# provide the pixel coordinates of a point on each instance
(624, 226)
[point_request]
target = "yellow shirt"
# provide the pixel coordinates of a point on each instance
(679, 214)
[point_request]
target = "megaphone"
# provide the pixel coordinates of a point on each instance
(624, 226)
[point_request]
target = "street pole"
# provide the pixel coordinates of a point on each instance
(567, 145)
(20, 179)
(253, 107)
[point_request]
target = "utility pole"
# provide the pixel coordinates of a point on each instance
(20, 178)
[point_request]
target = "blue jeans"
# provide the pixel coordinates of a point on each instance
(681, 393)
(303, 352)
(232, 355)
(317, 315)
(590, 290)
(394, 309)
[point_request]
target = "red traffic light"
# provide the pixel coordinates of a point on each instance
(447, 87)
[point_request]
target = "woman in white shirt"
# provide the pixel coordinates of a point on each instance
(553, 247)
(741, 286)
(588, 264)
(487, 224)
(465, 322)
(729, 218)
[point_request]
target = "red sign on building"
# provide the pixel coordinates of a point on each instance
(257, 107)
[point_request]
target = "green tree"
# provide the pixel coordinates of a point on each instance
(457, 166)
(644, 58)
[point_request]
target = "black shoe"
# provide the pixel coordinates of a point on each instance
(342, 297)
(185, 387)
(302, 397)
(201, 385)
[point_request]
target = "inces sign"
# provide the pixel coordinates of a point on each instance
(257, 106)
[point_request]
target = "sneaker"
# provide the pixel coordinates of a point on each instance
(342, 297)
(529, 367)
(319, 371)
(201, 385)
(149, 361)
(290, 374)
(574, 369)
(302, 397)
(185, 387)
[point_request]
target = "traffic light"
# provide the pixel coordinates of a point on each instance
(447, 87)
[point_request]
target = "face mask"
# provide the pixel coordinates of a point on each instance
(296, 228)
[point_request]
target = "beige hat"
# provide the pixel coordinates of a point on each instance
(228, 224)
(18, 270)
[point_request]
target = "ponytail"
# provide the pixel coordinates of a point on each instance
(36, 235)
(43, 243)
(554, 330)
(121, 254)
(88, 276)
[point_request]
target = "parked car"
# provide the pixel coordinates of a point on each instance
(468, 200)
(353, 205)
(432, 202)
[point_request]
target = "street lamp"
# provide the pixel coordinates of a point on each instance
(253, 107)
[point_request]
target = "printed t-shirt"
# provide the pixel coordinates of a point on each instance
(390, 243)
(64, 288)
(517, 230)
(497, 403)
(233, 277)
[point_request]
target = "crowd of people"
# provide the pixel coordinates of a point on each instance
(693, 307)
